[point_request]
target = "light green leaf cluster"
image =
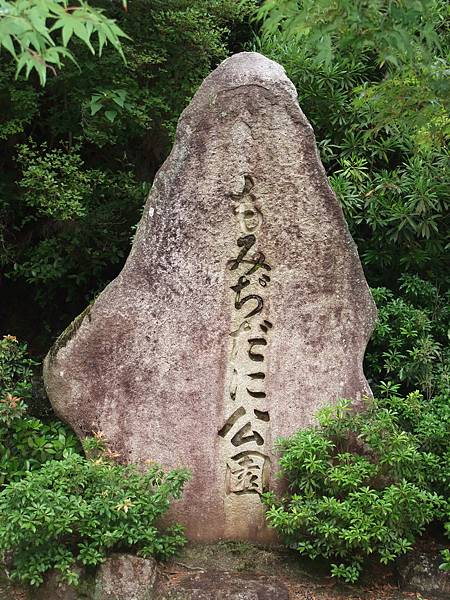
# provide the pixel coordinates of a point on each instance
(392, 30)
(78, 510)
(26, 442)
(364, 484)
(36, 33)
(54, 181)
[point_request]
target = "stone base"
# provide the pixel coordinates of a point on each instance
(126, 577)
(419, 572)
(214, 585)
(226, 571)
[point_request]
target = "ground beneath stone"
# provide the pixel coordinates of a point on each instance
(240, 571)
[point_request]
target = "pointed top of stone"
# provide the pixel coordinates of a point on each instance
(250, 68)
(237, 72)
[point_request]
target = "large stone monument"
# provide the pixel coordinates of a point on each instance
(241, 310)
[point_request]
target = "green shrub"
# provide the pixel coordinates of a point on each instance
(445, 566)
(380, 114)
(410, 343)
(364, 484)
(16, 368)
(58, 507)
(25, 442)
(78, 509)
(91, 212)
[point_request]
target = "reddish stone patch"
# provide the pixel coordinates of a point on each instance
(216, 585)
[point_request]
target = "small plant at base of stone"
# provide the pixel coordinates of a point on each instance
(445, 565)
(78, 509)
(364, 484)
(25, 441)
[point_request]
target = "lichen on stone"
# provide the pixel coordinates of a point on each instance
(69, 332)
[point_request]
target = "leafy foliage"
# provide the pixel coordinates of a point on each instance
(410, 343)
(93, 211)
(54, 182)
(25, 442)
(78, 509)
(15, 368)
(372, 77)
(445, 566)
(80, 154)
(364, 484)
(57, 507)
(377, 95)
(27, 32)
(393, 31)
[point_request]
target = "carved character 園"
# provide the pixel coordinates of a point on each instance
(247, 473)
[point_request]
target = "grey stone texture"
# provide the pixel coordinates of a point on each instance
(241, 310)
(420, 572)
(126, 577)
(120, 577)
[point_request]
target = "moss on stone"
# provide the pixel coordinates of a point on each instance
(69, 332)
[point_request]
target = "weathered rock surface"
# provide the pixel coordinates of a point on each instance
(232, 567)
(419, 572)
(225, 586)
(55, 588)
(120, 577)
(241, 310)
(126, 577)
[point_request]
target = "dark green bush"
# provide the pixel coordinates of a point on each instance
(81, 153)
(78, 510)
(25, 442)
(409, 345)
(364, 484)
(380, 113)
(371, 78)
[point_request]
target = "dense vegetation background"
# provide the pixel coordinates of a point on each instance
(78, 156)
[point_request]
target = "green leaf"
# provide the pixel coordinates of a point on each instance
(67, 32)
(95, 107)
(7, 43)
(119, 97)
(83, 33)
(111, 115)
